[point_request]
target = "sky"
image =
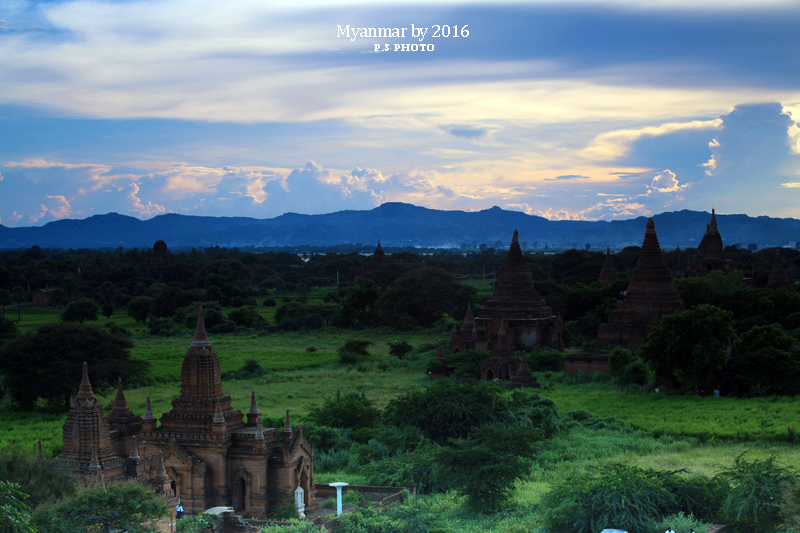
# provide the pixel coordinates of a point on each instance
(576, 109)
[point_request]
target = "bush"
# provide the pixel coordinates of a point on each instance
(162, 327)
(543, 359)
(680, 522)
(754, 494)
(80, 311)
(636, 373)
(41, 481)
(351, 410)
(352, 350)
(467, 363)
(618, 359)
(612, 496)
(400, 349)
(449, 410)
(484, 466)
(270, 302)
(247, 317)
(196, 524)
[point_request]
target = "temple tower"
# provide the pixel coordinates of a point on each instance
(778, 279)
(651, 294)
(529, 322)
(608, 274)
(86, 434)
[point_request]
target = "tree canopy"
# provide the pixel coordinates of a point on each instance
(423, 297)
(690, 347)
(47, 363)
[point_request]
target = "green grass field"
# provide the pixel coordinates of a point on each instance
(297, 378)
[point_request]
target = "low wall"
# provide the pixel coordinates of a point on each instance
(587, 363)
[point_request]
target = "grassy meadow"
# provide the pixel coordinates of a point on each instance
(699, 434)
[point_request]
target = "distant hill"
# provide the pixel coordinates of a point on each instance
(396, 225)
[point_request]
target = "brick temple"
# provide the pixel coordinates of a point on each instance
(608, 274)
(710, 254)
(515, 308)
(651, 294)
(203, 452)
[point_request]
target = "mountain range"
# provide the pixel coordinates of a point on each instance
(396, 225)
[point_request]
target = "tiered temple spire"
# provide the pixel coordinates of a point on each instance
(608, 274)
(778, 279)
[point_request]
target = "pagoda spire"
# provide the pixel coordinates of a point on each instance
(287, 428)
(777, 276)
(85, 390)
(608, 274)
(200, 335)
(253, 415)
(148, 411)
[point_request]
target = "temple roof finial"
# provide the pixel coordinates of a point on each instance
(253, 408)
(515, 238)
(287, 428)
(200, 335)
(85, 390)
(148, 411)
(134, 449)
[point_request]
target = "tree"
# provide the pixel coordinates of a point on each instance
(752, 247)
(767, 363)
(618, 359)
(424, 296)
(755, 493)
(42, 481)
(70, 284)
(14, 515)
(485, 465)
(47, 363)
(122, 506)
(108, 309)
(5, 300)
(450, 410)
(81, 310)
(358, 303)
(352, 410)
(139, 308)
(8, 330)
(690, 347)
(18, 295)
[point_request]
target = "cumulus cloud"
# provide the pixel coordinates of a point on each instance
(617, 144)
(59, 208)
(666, 182)
(752, 157)
(145, 210)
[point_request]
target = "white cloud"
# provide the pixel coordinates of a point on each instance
(59, 208)
(617, 144)
(145, 210)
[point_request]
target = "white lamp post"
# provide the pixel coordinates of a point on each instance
(338, 486)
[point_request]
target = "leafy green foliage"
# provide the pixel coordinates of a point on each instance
(690, 347)
(400, 349)
(8, 330)
(790, 511)
(353, 349)
(351, 410)
(14, 514)
(614, 496)
(754, 494)
(139, 308)
(128, 506)
(248, 317)
(196, 524)
(80, 311)
(767, 364)
(485, 465)
(450, 410)
(424, 296)
(41, 481)
(467, 363)
(618, 359)
(51, 367)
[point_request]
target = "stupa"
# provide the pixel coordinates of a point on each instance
(651, 294)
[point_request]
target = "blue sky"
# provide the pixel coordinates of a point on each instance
(576, 109)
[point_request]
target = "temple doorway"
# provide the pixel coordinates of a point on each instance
(241, 494)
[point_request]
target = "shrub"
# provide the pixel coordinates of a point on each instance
(754, 494)
(162, 327)
(351, 410)
(448, 409)
(612, 496)
(352, 350)
(196, 524)
(246, 316)
(636, 373)
(543, 359)
(484, 466)
(618, 359)
(81, 310)
(400, 349)
(467, 363)
(680, 522)
(270, 302)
